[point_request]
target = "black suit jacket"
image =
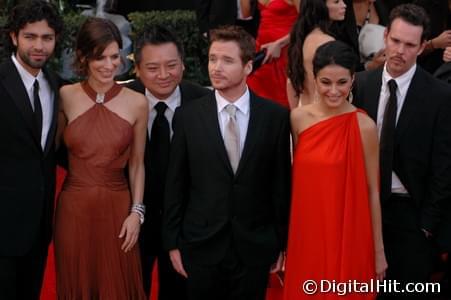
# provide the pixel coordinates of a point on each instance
(207, 206)
(214, 13)
(27, 173)
(422, 154)
(150, 237)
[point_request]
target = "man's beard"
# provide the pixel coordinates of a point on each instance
(31, 63)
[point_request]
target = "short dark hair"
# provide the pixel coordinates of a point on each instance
(412, 14)
(93, 37)
(31, 12)
(237, 34)
(334, 53)
(156, 35)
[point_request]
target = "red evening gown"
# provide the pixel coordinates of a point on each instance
(330, 233)
(93, 204)
(269, 81)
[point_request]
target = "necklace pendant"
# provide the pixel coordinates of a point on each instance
(100, 98)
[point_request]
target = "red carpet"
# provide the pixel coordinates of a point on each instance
(49, 288)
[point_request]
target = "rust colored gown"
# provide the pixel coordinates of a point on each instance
(92, 206)
(270, 80)
(330, 233)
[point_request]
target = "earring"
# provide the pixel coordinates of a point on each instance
(350, 96)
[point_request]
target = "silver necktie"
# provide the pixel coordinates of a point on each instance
(232, 137)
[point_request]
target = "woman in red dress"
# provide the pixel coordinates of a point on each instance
(335, 224)
(276, 19)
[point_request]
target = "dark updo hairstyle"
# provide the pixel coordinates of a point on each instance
(313, 14)
(93, 37)
(335, 53)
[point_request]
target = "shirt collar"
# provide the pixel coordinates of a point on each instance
(173, 101)
(241, 103)
(402, 81)
(27, 78)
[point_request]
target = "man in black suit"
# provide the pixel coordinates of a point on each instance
(412, 111)
(228, 184)
(159, 64)
(28, 114)
(212, 14)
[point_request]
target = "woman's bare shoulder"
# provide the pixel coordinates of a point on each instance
(301, 117)
(69, 89)
(135, 99)
(366, 124)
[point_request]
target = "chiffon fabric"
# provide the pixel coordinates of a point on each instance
(92, 207)
(330, 233)
(269, 81)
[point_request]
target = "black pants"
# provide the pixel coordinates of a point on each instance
(21, 276)
(172, 286)
(230, 279)
(410, 255)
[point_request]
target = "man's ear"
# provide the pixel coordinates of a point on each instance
(422, 46)
(248, 67)
(13, 37)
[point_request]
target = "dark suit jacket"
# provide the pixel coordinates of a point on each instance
(27, 173)
(150, 236)
(214, 13)
(422, 154)
(207, 207)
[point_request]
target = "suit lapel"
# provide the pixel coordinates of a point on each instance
(52, 130)
(411, 103)
(14, 86)
(374, 83)
(253, 130)
(213, 130)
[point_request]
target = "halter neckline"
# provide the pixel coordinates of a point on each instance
(98, 97)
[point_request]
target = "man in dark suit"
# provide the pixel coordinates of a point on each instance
(212, 14)
(159, 64)
(412, 111)
(28, 114)
(228, 184)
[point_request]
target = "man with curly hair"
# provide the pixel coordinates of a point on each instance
(28, 114)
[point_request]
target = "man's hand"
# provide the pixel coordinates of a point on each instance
(176, 260)
(447, 54)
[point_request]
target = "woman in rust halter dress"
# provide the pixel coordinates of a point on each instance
(98, 216)
(335, 223)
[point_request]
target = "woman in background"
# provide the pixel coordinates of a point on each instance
(309, 32)
(98, 216)
(276, 20)
(335, 223)
(363, 13)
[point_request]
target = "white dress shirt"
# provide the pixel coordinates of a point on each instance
(403, 83)
(46, 96)
(242, 114)
(173, 101)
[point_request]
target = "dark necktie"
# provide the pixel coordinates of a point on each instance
(159, 153)
(387, 141)
(37, 110)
